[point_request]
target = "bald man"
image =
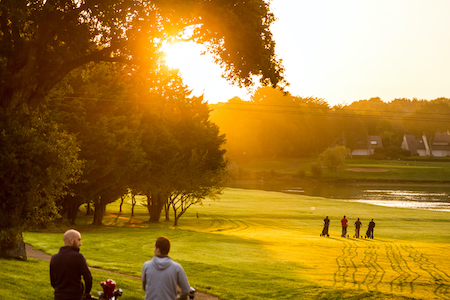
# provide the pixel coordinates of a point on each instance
(67, 267)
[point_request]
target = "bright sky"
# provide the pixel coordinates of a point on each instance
(345, 51)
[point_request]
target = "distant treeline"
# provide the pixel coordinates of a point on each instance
(274, 124)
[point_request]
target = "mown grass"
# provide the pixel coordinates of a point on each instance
(404, 170)
(31, 280)
(266, 245)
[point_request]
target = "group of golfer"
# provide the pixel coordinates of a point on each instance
(344, 223)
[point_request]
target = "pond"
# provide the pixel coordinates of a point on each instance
(418, 196)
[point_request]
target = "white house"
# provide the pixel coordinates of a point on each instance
(421, 146)
(367, 148)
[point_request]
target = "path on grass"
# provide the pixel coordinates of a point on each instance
(32, 253)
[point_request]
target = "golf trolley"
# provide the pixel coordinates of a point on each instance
(109, 291)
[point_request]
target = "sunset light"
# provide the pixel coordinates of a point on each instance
(200, 73)
(344, 52)
(265, 163)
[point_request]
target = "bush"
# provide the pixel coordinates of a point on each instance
(390, 153)
(316, 169)
(300, 174)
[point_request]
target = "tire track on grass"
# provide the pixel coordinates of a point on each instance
(400, 266)
(339, 275)
(414, 274)
(370, 261)
(440, 277)
(354, 269)
(223, 224)
(346, 266)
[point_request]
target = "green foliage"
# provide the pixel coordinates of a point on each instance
(274, 124)
(332, 158)
(37, 164)
(42, 41)
(428, 119)
(316, 169)
(410, 169)
(139, 130)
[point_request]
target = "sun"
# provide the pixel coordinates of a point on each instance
(199, 72)
(175, 54)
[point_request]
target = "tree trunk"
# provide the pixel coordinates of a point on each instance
(167, 211)
(99, 211)
(155, 204)
(88, 209)
(11, 243)
(337, 174)
(133, 203)
(72, 213)
(121, 203)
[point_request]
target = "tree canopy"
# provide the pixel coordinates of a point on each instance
(41, 41)
(37, 164)
(334, 157)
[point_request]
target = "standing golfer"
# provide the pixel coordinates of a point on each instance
(67, 267)
(344, 223)
(370, 229)
(161, 275)
(326, 225)
(358, 225)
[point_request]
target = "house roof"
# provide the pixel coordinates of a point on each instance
(441, 141)
(413, 144)
(372, 141)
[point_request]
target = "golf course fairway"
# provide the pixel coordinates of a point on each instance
(253, 244)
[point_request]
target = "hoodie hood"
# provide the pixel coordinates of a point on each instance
(161, 262)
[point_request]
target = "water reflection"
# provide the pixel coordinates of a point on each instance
(431, 197)
(434, 200)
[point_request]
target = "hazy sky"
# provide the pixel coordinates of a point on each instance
(344, 51)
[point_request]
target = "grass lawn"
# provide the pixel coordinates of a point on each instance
(265, 245)
(360, 168)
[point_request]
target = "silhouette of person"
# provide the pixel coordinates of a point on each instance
(370, 229)
(358, 225)
(326, 225)
(344, 223)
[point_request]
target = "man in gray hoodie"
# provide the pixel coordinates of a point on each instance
(161, 275)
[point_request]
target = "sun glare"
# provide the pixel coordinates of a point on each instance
(175, 55)
(199, 72)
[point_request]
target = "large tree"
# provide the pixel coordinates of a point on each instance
(37, 163)
(183, 153)
(41, 41)
(96, 106)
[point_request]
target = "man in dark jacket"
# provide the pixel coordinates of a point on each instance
(66, 269)
(358, 225)
(369, 233)
(326, 225)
